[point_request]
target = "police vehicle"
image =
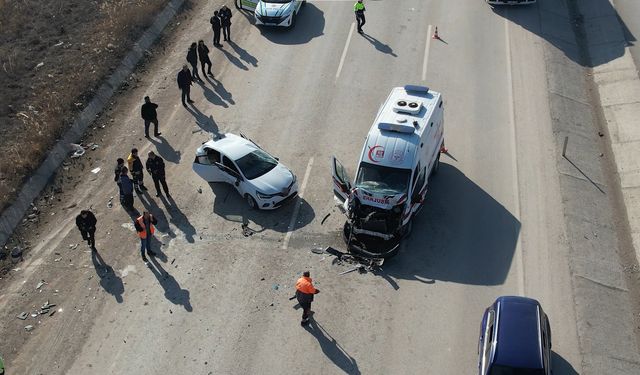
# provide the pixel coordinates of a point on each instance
(273, 12)
(400, 154)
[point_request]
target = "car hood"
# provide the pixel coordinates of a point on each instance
(275, 181)
(273, 9)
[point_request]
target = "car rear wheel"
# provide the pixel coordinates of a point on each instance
(250, 201)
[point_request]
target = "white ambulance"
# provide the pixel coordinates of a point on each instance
(400, 154)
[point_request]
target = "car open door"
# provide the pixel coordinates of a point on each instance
(205, 166)
(341, 180)
(246, 4)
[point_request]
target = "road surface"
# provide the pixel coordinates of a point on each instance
(217, 301)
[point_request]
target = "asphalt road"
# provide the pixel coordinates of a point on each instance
(217, 301)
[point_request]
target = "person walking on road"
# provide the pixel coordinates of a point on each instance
(137, 171)
(203, 54)
(192, 58)
(225, 20)
(304, 293)
(118, 170)
(126, 189)
(145, 228)
(216, 26)
(155, 167)
(358, 7)
(185, 80)
(150, 116)
(86, 223)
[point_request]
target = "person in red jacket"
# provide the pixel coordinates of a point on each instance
(304, 293)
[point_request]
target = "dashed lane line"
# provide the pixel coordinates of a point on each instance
(296, 210)
(344, 51)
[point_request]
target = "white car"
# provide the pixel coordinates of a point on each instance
(260, 178)
(273, 12)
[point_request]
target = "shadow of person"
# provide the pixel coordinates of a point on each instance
(561, 366)
(211, 95)
(205, 123)
(234, 60)
(178, 218)
(462, 235)
(165, 150)
(222, 91)
(332, 349)
(553, 22)
(233, 207)
(109, 280)
(172, 290)
(243, 54)
(384, 48)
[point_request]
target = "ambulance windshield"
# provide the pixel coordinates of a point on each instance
(377, 179)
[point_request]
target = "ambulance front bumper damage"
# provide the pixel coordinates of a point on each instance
(373, 232)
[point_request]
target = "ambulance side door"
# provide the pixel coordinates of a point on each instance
(341, 180)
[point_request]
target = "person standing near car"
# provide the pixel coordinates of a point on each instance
(304, 294)
(137, 171)
(145, 227)
(192, 58)
(203, 54)
(216, 26)
(185, 80)
(86, 222)
(150, 116)
(155, 167)
(225, 19)
(358, 8)
(118, 170)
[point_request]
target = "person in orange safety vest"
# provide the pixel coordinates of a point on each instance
(304, 293)
(145, 228)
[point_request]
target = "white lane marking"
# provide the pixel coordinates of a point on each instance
(296, 210)
(426, 54)
(514, 163)
(344, 51)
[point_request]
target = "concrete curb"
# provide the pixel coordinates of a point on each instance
(619, 88)
(11, 217)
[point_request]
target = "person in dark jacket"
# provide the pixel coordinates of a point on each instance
(304, 294)
(150, 116)
(225, 20)
(155, 167)
(86, 223)
(185, 80)
(203, 54)
(137, 171)
(126, 189)
(118, 170)
(216, 26)
(192, 58)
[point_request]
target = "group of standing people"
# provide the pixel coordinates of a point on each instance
(221, 20)
(127, 185)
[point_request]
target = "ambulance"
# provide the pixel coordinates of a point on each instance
(400, 155)
(281, 13)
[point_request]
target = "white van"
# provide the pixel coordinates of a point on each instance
(401, 152)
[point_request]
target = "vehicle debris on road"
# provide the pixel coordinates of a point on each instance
(23, 315)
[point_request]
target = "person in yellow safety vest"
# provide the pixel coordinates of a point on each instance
(145, 228)
(304, 293)
(359, 9)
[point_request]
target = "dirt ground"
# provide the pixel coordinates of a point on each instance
(53, 55)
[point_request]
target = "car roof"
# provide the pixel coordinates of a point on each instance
(231, 145)
(518, 341)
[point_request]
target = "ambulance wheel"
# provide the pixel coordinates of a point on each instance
(408, 228)
(436, 166)
(251, 202)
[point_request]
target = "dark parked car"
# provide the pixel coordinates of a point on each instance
(515, 338)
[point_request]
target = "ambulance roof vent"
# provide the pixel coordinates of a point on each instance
(400, 127)
(408, 106)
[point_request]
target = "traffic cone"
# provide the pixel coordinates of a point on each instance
(435, 35)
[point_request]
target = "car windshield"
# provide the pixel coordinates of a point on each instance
(276, 1)
(508, 370)
(256, 164)
(382, 180)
